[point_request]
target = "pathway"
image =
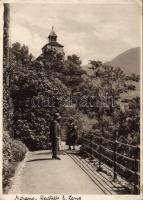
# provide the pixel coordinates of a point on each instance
(42, 175)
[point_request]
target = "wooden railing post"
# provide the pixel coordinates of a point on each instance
(100, 155)
(82, 142)
(135, 189)
(82, 138)
(115, 156)
(91, 145)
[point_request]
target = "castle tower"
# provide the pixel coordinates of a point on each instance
(53, 44)
(52, 36)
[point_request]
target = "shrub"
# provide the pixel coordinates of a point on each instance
(13, 152)
(18, 150)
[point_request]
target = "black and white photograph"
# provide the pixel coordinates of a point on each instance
(71, 104)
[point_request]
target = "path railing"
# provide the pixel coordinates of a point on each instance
(119, 158)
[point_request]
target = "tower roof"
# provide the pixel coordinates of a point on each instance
(52, 33)
(54, 44)
(52, 41)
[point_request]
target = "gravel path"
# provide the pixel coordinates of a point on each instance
(42, 175)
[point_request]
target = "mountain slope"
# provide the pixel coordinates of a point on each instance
(128, 61)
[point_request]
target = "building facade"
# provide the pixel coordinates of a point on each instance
(53, 44)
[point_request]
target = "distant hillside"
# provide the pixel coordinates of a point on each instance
(128, 61)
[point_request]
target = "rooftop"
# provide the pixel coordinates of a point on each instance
(52, 33)
(53, 43)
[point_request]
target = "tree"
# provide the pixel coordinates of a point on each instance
(103, 99)
(21, 54)
(32, 93)
(74, 59)
(7, 103)
(95, 66)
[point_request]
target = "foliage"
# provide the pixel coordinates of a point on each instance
(13, 152)
(133, 77)
(71, 72)
(33, 91)
(37, 88)
(103, 101)
(95, 66)
(50, 60)
(21, 54)
(114, 114)
(74, 59)
(35, 83)
(6, 92)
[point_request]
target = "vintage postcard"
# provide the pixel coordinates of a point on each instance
(71, 98)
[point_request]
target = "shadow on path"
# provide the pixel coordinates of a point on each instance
(41, 159)
(63, 152)
(41, 153)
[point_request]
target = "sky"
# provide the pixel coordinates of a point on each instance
(92, 31)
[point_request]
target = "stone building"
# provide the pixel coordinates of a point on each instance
(53, 44)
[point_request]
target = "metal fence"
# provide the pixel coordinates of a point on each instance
(121, 159)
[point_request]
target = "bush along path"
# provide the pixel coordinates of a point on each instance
(14, 152)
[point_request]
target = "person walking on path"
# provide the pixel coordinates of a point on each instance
(71, 136)
(55, 134)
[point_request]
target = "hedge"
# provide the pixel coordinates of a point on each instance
(13, 152)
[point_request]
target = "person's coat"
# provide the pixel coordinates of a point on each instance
(55, 130)
(71, 136)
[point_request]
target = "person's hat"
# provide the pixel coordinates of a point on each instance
(75, 127)
(57, 116)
